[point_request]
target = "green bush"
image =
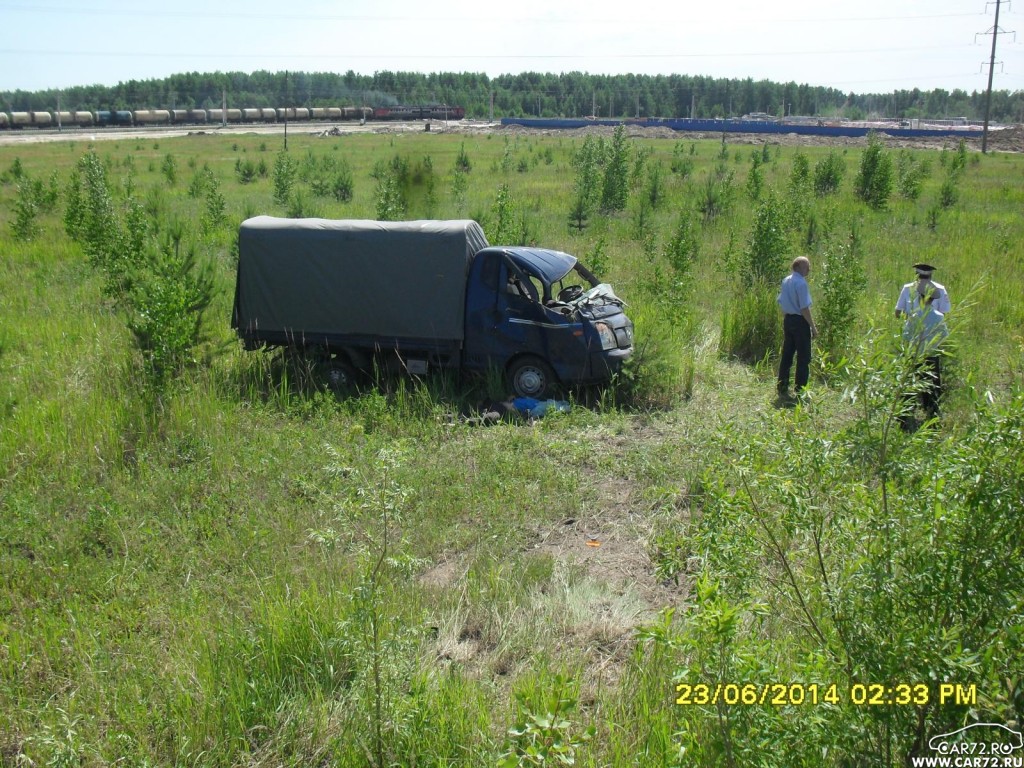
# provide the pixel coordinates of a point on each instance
(166, 311)
(285, 172)
(829, 173)
(842, 284)
(874, 180)
(615, 181)
(768, 254)
(910, 175)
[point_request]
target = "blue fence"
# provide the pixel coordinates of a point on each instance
(744, 126)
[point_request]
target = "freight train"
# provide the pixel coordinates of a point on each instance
(143, 117)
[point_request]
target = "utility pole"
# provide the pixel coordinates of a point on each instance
(995, 32)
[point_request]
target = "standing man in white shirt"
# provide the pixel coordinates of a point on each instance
(909, 295)
(798, 326)
(924, 332)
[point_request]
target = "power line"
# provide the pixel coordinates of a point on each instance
(469, 56)
(574, 20)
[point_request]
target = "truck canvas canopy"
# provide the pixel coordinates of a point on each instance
(314, 278)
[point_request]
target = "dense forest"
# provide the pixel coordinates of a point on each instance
(572, 94)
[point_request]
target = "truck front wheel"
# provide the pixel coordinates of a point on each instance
(531, 377)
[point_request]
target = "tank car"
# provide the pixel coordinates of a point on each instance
(152, 116)
(225, 116)
(116, 117)
(80, 118)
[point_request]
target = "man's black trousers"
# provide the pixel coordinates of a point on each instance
(796, 341)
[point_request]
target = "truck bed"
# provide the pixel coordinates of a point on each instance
(311, 281)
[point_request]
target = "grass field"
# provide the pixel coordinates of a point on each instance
(226, 564)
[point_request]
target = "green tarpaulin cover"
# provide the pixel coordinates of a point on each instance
(315, 277)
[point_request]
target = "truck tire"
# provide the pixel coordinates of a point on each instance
(531, 377)
(341, 377)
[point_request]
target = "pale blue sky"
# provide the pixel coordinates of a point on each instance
(867, 46)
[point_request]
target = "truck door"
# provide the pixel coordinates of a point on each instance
(506, 317)
(504, 314)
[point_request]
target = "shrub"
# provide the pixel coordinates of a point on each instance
(284, 177)
(800, 174)
(682, 160)
(169, 168)
(343, 187)
(245, 171)
(24, 225)
(948, 192)
(755, 178)
(14, 173)
(615, 182)
(167, 307)
(843, 281)
(910, 175)
(510, 221)
(391, 204)
(588, 161)
(874, 180)
(213, 216)
(769, 248)
(462, 161)
(682, 249)
(717, 193)
(828, 174)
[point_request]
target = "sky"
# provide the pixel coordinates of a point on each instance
(871, 46)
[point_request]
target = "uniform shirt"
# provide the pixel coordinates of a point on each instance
(794, 295)
(926, 328)
(908, 298)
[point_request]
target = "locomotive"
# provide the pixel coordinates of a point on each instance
(431, 112)
(144, 117)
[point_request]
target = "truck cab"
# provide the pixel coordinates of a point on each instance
(544, 319)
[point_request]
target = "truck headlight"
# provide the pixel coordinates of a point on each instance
(607, 335)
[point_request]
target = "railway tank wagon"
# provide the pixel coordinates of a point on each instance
(153, 117)
(36, 119)
(80, 118)
(224, 115)
(122, 117)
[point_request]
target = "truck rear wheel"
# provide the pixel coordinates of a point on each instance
(341, 377)
(531, 377)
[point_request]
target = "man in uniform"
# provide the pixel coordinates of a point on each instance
(798, 326)
(924, 332)
(909, 296)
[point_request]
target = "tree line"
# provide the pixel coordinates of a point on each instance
(528, 94)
